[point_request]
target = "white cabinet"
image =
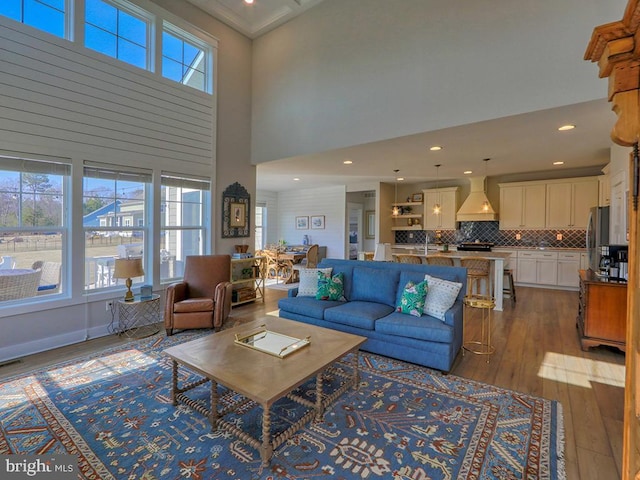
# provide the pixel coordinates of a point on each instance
(447, 198)
(568, 202)
(522, 206)
(618, 211)
(604, 190)
(568, 267)
(537, 267)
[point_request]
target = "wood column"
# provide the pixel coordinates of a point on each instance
(616, 48)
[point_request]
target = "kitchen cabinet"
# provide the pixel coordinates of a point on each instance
(602, 311)
(522, 205)
(568, 202)
(568, 268)
(410, 217)
(618, 210)
(537, 267)
(604, 188)
(448, 200)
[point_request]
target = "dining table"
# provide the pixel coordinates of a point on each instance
(286, 261)
(497, 260)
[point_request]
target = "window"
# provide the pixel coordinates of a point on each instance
(184, 59)
(260, 220)
(33, 227)
(185, 222)
(116, 32)
(113, 202)
(46, 15)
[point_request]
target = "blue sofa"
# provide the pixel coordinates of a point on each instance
(372, 291)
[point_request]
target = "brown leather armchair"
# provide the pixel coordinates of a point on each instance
(203, 298)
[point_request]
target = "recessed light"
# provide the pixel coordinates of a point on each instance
(564, 128)
(435, 148)
(468, 172)
(296, 179)
(249, 2)
(348, 162)
(400, 179)
(558, 163)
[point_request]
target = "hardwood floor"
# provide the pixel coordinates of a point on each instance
(537, 352)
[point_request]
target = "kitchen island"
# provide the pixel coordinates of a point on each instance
(497, 268)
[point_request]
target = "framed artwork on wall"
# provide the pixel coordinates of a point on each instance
(317, 222)
(238, 217)
(416, 197)
(302, 223)
(236, 220)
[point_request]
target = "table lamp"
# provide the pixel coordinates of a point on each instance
(128, 268)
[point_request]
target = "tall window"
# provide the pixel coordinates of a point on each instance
(33, 226)
(118, 32)
(47, 15)
(114, 221)
(260, 221)
(184, 59)
(185, 222)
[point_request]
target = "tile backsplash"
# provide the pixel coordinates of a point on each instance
(490, 232)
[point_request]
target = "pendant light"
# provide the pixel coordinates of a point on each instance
(485, 204)
(436, 206)
(396, 211)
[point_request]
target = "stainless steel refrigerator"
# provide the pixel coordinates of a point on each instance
(597, 235)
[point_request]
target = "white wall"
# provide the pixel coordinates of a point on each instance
(349, 72)
(48, 109)
(271, 201)
(330, 202)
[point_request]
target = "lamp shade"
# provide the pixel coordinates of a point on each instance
(128, 268)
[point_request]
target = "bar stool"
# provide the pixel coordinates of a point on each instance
(486, 306)
(478, 269)
(406, 258)
(509, 287)
(443, 261)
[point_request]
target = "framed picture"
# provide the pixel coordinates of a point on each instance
(302, 223)
(416, 197)
(370, 224)
(238, 217)
(317, 222)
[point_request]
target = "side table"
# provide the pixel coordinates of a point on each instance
(486, 306)
(139, 318)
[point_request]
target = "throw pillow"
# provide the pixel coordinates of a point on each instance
(330, 287)
(441, 295)
(309, 281)
(413, 296)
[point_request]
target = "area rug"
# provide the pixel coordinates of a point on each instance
(282, 286)
(113, 411)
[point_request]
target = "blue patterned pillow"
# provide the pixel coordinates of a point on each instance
(413, 296)
(330, 287)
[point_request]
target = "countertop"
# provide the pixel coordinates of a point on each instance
(590, 277)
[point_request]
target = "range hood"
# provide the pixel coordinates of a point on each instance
(476, 208)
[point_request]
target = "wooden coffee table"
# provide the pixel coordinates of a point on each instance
(262, 377)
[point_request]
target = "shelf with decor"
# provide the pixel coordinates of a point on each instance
(407, 219)
(247, 278)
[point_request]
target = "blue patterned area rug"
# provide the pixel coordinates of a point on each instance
(114, 412)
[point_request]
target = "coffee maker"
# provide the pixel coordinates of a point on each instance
(605, 262)
(623, 265)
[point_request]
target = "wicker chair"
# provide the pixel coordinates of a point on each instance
(443, 261)
(406, 258)
(478, 269)
(50, 276)
(23, 285)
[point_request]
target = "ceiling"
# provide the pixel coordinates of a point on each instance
(518, 144)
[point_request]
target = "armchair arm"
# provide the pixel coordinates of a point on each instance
(176, 292)
(222, 303)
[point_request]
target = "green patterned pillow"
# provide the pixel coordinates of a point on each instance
(330, 287)
(413, 297)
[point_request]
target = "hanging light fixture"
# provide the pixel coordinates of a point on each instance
(436, 206)
(485, 205)
(396, 211)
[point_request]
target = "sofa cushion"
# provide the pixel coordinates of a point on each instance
(357, 314)
(308, 286)
(412, 300)
(308, 306)
(441, 295)
(330, 287)
(421, 328)
(375, 285)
